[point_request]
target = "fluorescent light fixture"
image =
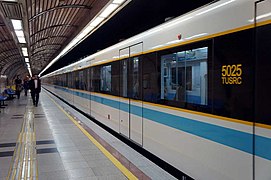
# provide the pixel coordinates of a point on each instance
(10, 0)
(19, 33)
(118, 1)
(29, 70)
(213, 8)
(108, 10)
(28, 65)
(21, 40)
(197, 35)
(24, 50)
(26, 60)
(17, 24)
(96, 21)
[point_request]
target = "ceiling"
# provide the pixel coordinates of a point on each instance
(49, 25)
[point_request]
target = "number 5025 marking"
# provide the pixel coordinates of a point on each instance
(231, 70)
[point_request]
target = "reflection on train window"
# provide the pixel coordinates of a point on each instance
(135, 77)
(184, 76)
(123, 77)
(106, 78)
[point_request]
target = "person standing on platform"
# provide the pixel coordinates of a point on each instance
(26, 85)
(35, 87)
(18, 86)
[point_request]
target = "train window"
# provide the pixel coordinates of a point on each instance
(82, 83)
(151, 78)
(135, 88)
(76, 80)
(106, 78)
(70, 81)
(184, 76)
(115, 78)
(123, 77)
(95, 79)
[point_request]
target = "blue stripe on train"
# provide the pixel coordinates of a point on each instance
(236, 139)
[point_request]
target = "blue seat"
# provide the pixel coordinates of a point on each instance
(10, 93)
(2, 101)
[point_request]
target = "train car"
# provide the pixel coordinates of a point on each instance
(194, 91)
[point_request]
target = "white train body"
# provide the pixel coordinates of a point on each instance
(202, 145)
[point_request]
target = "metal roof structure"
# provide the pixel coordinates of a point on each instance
(48, 26)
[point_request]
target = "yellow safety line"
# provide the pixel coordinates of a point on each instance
(122, 168)
(22, 160)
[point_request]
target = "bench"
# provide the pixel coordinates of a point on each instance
(2, 101)
(10, 93)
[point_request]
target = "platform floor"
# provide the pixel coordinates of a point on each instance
(60, 143)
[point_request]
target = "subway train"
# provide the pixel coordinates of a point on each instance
(193, 91)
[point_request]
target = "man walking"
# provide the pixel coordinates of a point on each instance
(35, 87)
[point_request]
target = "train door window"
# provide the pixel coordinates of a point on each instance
(106, 78)
(184, 76)
(85, 79)
(70, 81)
(65, 76)
(76, 80)
(81, 80)
(123, 77)
(134, 78)
(91, 83)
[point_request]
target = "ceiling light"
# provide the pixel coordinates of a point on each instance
(26, 60)
(21, 40)
(97, 21)
(24, 50)
(19, 33)
(108, 10)
(118, 1)
(29, 70)
(17, 24)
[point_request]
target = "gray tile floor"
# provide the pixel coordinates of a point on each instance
(66, 153)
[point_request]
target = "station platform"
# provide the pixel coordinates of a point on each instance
(53, 141)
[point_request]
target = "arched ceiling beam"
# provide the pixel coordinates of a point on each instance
(10, 65)
(13, 49)
(54, 26)
(14, 57)
(48, 45)
(50, 50)
(50, 37)
(59, 7)
(20, 70)
(6, 40)
(10, 68)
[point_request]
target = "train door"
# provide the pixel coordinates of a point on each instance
(135, 76)
(124, 111)
(131, 94)
(262, 136)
